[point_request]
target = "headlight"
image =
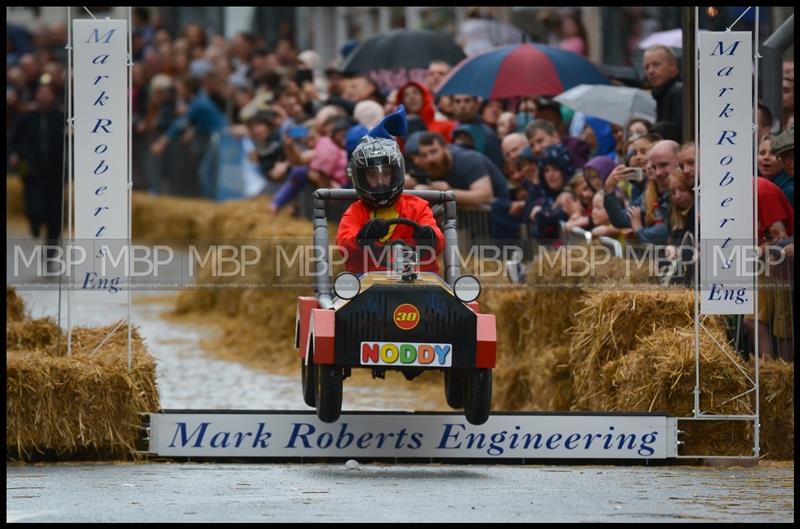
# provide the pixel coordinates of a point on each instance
(346, 285)
(467, 288)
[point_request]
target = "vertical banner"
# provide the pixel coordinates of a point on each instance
(100, 83)
(725, 144)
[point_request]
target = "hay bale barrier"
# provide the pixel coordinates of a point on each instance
(15, 308)
(257, 322)
(173, 219)
(541, 383)
(87, 405)
(534, 323)
(632, 350)
(776, 404)
(608, 326)
(659, 376)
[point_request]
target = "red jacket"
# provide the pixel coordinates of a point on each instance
(773, 206)
(407, 207)
(428, 112)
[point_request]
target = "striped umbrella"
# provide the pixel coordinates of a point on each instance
(521, 70)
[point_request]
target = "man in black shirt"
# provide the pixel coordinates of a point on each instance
(465, 111)
(661, 70)
(474, 178)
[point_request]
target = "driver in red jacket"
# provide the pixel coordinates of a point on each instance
(377, 170)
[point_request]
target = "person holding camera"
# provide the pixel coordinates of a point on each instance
(326, 164)
(648, 217)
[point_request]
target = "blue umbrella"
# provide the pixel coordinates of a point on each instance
(521, 70)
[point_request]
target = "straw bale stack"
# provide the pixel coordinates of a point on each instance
(259, 307)
(541, 314)
(261, 333)
(41, 334)
(533, 323)
(659, 375)
(611, 323)
(776, 380)
(15, 308)
(88, 404)
(541, 383)
(166, 218)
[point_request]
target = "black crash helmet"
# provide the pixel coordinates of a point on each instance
(377, 170)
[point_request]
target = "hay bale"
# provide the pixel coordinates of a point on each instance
(611, 324)
(166, 218)
(541, 382)
(512, 388)
(15, 307)
(195, 300)
(776, 380)
(533, 325)
(82, 404)
(41, 334)
(259, 312)
(541, 314)
(659, 375)
(251, 220)
(261, 331)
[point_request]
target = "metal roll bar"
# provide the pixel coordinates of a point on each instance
(322, 285)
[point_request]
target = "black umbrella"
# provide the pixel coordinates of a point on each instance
(401, 48)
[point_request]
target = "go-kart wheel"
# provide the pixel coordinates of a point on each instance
(307, 374)
(454, 387)
(328, 392)
(478, 395)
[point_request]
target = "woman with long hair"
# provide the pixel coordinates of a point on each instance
(681, 206)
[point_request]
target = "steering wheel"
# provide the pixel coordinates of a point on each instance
(407, 222)
(400, 220)
(397, 242)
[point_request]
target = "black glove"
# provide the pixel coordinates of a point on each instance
(425, 236)
(372, 231)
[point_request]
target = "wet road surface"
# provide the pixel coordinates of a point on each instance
(188, 492)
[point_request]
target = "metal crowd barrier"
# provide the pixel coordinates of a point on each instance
(580, 236)
(474, 225)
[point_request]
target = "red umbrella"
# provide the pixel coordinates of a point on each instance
(521, 70)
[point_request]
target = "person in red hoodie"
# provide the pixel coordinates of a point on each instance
(418, 101)
(377, 170)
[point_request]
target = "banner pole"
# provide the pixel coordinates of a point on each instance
(697, 191)
(130, 174)
(757, 424)
(70, 182)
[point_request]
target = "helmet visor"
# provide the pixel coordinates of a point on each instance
(379, 178)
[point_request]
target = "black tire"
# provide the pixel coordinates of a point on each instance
(454, 387)
(478, 395)
(307, 374)
(328, 392)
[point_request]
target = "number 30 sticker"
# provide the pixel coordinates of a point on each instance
(406, 316)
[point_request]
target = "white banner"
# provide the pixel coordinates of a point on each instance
(101, 158)
(727, 252)
(409, 435)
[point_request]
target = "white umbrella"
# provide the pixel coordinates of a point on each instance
(672, 38)
(617, 104)
(478, 35)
